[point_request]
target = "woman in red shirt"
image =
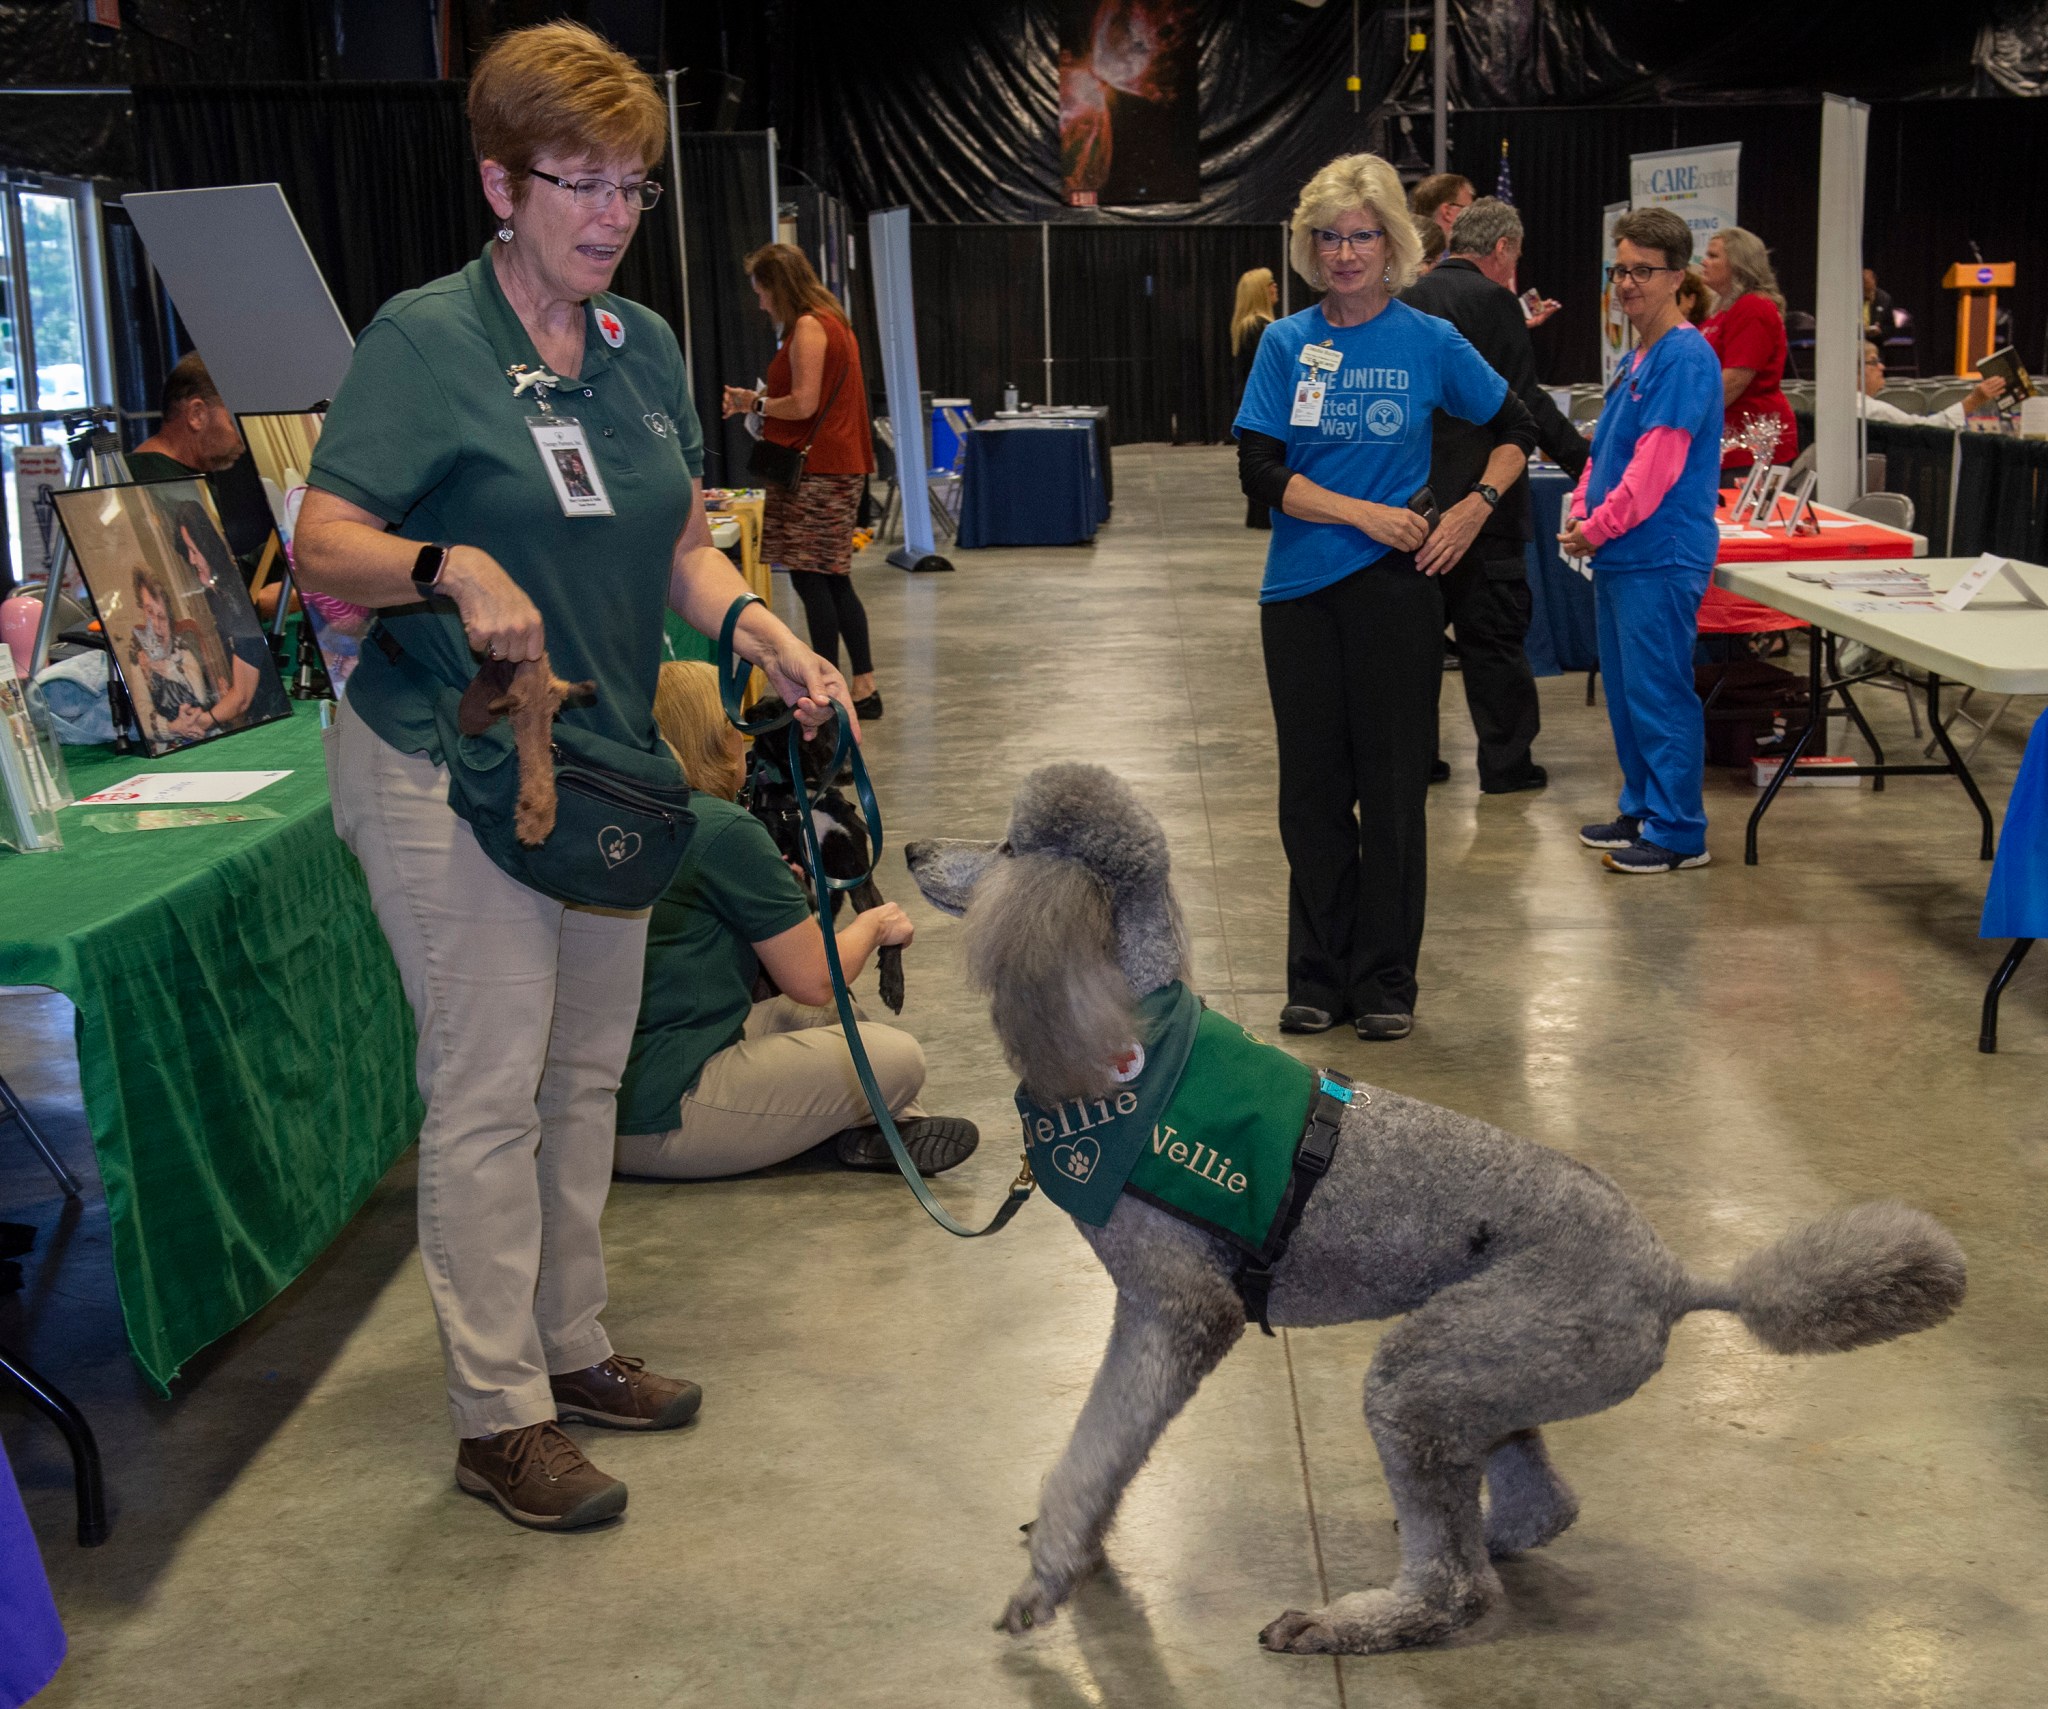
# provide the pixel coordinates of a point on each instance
(815, 392)
(1748, 333)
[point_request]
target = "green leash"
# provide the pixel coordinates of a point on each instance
(732, 683)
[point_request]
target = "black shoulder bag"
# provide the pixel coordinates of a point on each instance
(783, 465)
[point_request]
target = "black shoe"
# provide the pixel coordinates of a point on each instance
(1439, 771)
(1304, 1018)
(935, 1144)
(1533, 777)
(1617, 833)
(1387, 1025)
(869, 706)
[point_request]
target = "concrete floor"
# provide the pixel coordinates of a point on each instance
(1739, 1048)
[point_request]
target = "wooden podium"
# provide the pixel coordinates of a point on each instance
(1976, 309)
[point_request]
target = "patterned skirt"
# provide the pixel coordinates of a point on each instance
(812, 528)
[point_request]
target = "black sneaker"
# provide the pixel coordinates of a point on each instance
(1618, 833)
(1385, 1027)
(935, 1144)
(1644, 856)
(1306, 1018)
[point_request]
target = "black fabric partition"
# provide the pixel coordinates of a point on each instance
(1141, 322)
(727, 212)
(2001, 487)
(980, 312)
(1140, 318)
(1927, 197)
(381, 178)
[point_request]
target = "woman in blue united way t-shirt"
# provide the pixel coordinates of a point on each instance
(1334, 435)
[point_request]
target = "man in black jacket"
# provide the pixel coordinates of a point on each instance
(1487, 595)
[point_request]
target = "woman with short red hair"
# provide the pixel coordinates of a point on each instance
(509, 472)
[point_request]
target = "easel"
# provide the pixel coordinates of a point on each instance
(96, 461)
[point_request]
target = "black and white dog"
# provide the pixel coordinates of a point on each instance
(842, 834)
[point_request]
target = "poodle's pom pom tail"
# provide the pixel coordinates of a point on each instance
(1852, 1279)
(1040, 942)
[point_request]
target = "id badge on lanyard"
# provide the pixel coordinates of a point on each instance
(564, 449)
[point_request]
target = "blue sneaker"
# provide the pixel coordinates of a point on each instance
(1617, 834)
(1644, 856)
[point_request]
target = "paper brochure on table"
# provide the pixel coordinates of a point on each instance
(1988, 568)
(178, 788)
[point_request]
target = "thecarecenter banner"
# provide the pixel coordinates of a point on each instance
(1696, 184)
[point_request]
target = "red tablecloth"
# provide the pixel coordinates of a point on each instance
(1724, 613)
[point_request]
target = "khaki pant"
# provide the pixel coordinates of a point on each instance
(787, 1085)
(525, 1009)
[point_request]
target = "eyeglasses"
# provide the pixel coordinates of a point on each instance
(1640, 273)
(1330, 242)
(597, 193)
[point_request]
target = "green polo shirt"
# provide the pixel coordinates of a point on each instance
(732, 891)
(427, 434)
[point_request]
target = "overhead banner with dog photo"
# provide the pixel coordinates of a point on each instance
(1129, 128)
(1696, 184)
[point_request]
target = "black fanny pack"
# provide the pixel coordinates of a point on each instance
(622, 815)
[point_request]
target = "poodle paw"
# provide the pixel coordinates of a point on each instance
(1511, 1530)
(1034, 1605)
(1368, 1622)
(1299, 1634)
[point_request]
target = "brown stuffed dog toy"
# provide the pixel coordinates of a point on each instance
(530, 694)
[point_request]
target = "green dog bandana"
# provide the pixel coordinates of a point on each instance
(1204, 1122)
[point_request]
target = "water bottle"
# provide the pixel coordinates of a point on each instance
(1010, 397)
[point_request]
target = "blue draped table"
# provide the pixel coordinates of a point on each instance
(1031, 485)
(1562, 634)
(31, 1640)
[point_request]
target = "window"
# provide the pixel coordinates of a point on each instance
(53, 318)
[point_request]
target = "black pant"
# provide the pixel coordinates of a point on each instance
(1486, 600)
(1353, 672)
(832, 608)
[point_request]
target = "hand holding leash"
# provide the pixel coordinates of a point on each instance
(732, 683)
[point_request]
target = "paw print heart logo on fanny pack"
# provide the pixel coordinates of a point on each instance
(617, 846)
(1077, 1161)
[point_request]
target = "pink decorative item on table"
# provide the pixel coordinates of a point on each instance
(18, 619)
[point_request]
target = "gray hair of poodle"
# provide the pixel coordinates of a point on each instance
(1074, 920)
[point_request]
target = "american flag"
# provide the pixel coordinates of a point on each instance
(1502, 188)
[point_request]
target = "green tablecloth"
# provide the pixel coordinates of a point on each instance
(244, 1046)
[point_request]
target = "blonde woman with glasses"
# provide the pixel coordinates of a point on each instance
(1747, 332)
(1334, 435)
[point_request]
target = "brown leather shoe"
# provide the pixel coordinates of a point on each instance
(538, 1477)
(624, 1395)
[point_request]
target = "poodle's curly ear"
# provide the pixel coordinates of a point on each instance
(1041, 943)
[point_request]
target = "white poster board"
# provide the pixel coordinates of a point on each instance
(38, 472)
(1696, 184)
(1838, 301)
(249, 292)
(1615, 333)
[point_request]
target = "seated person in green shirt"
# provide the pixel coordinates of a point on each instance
(718, 1084)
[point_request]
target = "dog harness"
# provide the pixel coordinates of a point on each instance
(1205, 1121)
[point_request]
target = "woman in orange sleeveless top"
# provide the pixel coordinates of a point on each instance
(815, 392)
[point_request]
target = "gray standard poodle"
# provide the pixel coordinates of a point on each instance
(1530, 1289)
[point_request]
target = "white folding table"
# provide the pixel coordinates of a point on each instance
(1999, 646)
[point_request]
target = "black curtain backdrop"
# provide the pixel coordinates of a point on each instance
(726, 215)
(385, 188)
(1927, 195)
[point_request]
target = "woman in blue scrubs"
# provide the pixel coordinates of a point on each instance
(1644, 513)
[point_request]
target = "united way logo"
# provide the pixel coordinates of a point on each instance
(1383, 417)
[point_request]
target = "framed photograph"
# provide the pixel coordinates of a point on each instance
(177, 619)
(282, 447)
